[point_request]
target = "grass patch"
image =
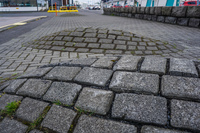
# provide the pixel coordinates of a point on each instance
(60, 104)
(81, 111)
(38, 120)
(11, 108)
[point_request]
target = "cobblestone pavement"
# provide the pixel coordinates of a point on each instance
(109, 94)
(152, 38)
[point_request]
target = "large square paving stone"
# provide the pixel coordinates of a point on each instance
(152, 129)
(37, 73)
(6, 98)
(63, 73)
(15, 85)
(12, 126)
(34, 88)
(185, 114)
(88, 124)
(105, 62)
(95, 100)
(181, 67)
(66, 93)
(180, 87)
(154, 65)
(140, 108)
(59, 119)
(30, 109)
(127, 63)
(94, 76)
(134, 82)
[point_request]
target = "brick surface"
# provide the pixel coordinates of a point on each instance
(63, 73)
(134, 82)
(140, 108)
(36, 73)
(95, 76)
(182, 67)
(180, 87)
(15, 85)
(85, 62)
(58, 119)
(97, 125)
(34, 88)
(6, 98)
(95, 100)
(185, 114)
(12, 126)
(127, 63)
(154, 65)
(152, 129)
(30, 109)
(65, 93)
(106, 62)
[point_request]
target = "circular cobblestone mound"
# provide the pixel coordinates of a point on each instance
(102, 41)
(108, 94)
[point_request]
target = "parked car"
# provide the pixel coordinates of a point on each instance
(189, 3)
(96, 8)
(126, 6)
(117, 6)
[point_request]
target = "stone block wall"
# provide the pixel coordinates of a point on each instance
(183, 15)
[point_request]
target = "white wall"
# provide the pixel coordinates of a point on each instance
(7, 9)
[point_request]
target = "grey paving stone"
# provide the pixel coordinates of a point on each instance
(115, 32)
(37, 73)
(34, 88)
(124, 38)
(141, 47)
(122, 47)
(35, 131)
(6, 98)
(15, 85)
(185, 114)
(128, 62)
(96, 50)
(135, 82)
(142, 44)
(95, 100)
(113, 51)
(5, 84)
(77, 34)
(152, 129)
(106, 62)
(154, 65)
(64, 33)
(30, 109)
(12, 126)
(58, 38)
(111, 36)
(84, 50)
(136, 39)
(65, 93)
(67, 38)
(138, 52)
(96, 125)
(63, 73)
(180, 87)
(132, 43)
(59, 43)
(83, 62)
(102, 36)
(140, 108)
(70, 44)
(91, 30)
(57, 48)
(131, 47)
(182, 67)
(103, 31)
(58, 119)
(70, 49)
(90, 35)
(119, 42)
(105, 41)
(79, 39)
(94, 40)
(80, 44)
(93, 45)
(93, 76)
(108, 46)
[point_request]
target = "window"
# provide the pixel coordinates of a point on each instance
(18, 3)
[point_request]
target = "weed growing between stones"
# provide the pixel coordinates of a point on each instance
(11, 108)
(81, 111)
(13, 76)
(61, 104)
(38, 120)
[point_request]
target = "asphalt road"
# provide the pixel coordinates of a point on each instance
(19, 30)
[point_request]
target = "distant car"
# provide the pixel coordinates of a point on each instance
(117, 6)
(90, 8)
(96, 8)
(126, 6)
(189, 3)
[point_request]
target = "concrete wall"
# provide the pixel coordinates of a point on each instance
(185, 16)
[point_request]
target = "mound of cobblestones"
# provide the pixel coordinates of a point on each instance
(102, 41)
(109, 94)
